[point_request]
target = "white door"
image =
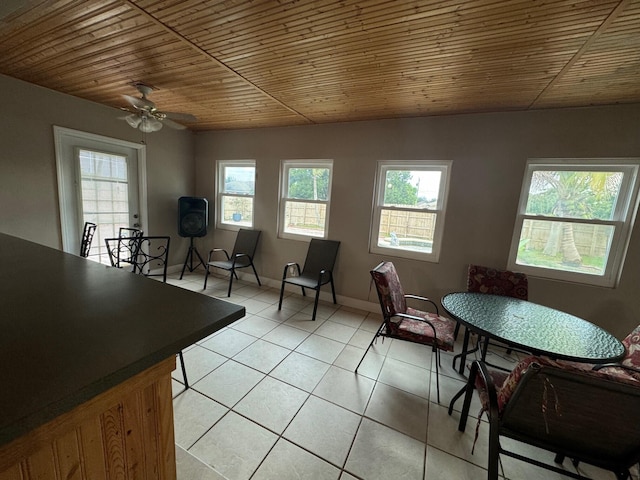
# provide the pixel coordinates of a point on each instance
(100, 180)
(107, 188)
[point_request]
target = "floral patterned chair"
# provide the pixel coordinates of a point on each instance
(562, 407)
(496, 282)
(406, 323)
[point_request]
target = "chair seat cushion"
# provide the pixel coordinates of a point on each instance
(420, 332)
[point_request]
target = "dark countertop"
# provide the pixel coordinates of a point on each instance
(71, 329)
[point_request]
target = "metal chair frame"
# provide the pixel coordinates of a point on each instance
(87, 237)
(385, 329)
(316, 272)
(242, 256)
(584, 416)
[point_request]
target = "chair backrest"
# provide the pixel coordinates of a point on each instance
(151, 256)
(122, 250)
(497, 282)
(586, 415)
(126, 232)
(321, 255)
(87, 237)
(632, 346)
(246, 242)
(390, 292)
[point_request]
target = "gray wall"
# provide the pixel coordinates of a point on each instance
(488, 151)
(28, 184)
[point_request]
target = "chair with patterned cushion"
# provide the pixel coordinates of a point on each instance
(560, 407)
(403, 322)
(495, 282)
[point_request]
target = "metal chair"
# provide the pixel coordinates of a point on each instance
(150, 258)
(242, 256)
(129, 236)
(317, 270)
(492, 281)
(406, 323)
(87, 237)
(569, 409)
(122, 249)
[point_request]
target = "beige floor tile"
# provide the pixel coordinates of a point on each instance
(380, 453)
(286, 336)
(262, 356)
(324, 429)
(235, 446)
(272, 404)
(229, 383)
(193, 415)
(288, 461)
(399, 410)
(346, 389)
(300, 371)
(320, 348)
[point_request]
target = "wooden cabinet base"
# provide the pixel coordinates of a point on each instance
(123, 433)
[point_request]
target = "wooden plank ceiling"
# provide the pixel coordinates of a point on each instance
(239, 64)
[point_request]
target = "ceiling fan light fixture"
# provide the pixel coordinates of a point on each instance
(133, 120)
(150, 124)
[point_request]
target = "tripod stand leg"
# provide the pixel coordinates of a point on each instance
(186, 260)
(189, 259)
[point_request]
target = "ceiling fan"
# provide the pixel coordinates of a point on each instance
(147, 117)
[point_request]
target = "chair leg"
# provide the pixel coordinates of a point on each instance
(256, 274)
(230, 282)
(463, 354)
(367, 350)
(315, 304)
(184, 371)
(436, 352)
(281, 295)
(333, 291)
(494, 449)
(468, 393)
(206, 275)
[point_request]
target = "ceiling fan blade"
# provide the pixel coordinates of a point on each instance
(170, 123)
(181, 117)
(140, 103)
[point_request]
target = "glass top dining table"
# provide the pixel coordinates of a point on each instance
(533, 328)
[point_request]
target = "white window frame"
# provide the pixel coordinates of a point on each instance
(287, 165)
(443, 166)
(220, 192)
(623, 217)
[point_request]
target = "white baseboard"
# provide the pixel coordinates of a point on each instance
(324, 295)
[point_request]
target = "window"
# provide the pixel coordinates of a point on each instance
(236, 193)
(409, 209)
(574, 219)
(305, 193)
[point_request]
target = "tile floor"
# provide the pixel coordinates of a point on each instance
(274, 396)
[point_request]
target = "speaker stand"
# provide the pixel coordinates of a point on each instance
(189, 259)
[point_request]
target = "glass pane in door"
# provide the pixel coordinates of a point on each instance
(105, 197)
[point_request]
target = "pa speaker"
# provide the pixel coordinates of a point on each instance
(193, 216)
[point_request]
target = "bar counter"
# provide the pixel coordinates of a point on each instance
(87, 353)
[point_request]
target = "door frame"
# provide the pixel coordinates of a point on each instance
(65, 139)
